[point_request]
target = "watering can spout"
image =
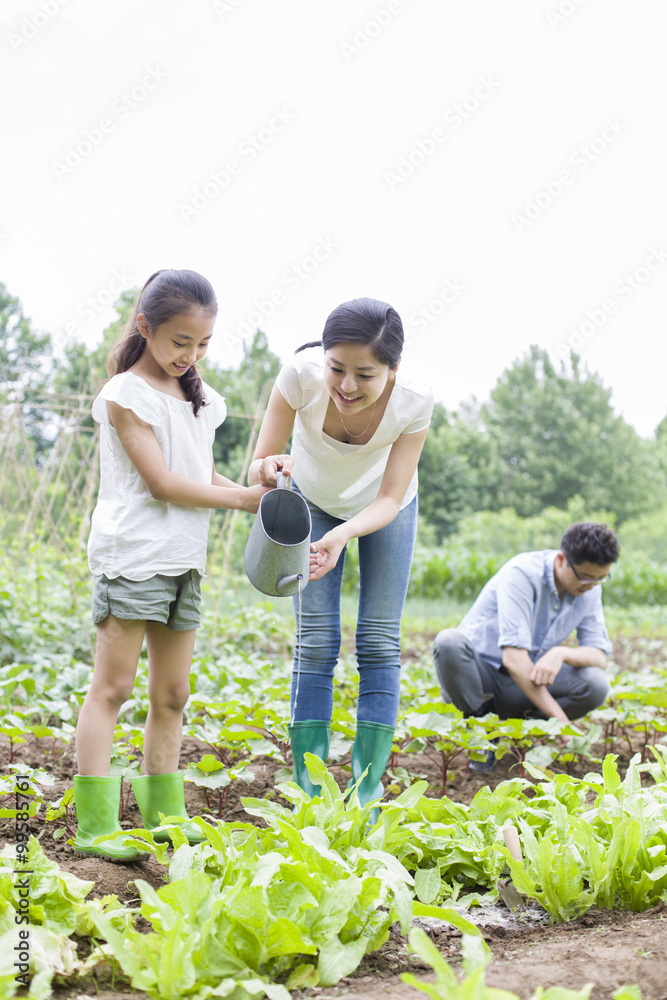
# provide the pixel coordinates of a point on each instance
(286, 584)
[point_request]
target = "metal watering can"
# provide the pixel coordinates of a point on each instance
(277, 554)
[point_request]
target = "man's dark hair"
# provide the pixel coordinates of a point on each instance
(590, 542)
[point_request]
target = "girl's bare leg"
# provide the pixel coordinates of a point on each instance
(169, 662)
(118, 647)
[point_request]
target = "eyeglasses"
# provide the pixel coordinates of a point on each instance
(587, 579)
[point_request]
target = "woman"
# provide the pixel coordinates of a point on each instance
(358, 433)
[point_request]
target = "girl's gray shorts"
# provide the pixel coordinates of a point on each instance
(172, 600)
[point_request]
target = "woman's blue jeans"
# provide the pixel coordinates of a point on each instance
(385, 558)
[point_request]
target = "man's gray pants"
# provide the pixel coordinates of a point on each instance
(476, 688)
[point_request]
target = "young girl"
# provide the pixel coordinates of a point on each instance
(358, 434)
(147, 549)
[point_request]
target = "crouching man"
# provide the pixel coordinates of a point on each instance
(505, 656)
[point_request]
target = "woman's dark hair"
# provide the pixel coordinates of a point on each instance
(364, 321)
(167, 293)
(590, 542)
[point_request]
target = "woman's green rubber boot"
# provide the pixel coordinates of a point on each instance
(164, 793)
(309, 736)
(97, 799)
(372, 746)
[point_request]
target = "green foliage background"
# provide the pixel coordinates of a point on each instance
(498, 477)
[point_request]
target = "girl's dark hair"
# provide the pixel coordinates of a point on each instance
(167, 293)
(364, 321)
(590, 542)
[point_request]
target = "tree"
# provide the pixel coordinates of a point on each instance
(459, 469)
(25, 369)
(558, 437)
(246, 391)
(661, 445)
(83, 370)
(24, 354)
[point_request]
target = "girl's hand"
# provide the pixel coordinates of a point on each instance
(272, 464)
(251, 497)
(324, 553)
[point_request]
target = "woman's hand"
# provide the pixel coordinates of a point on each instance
(325, 551)
(276, 430)
(272, 464)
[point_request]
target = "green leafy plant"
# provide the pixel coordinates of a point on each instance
(213, 777)
(299, 902)
(16, 787)
(55, 910)
(440, 732)
(558, 883)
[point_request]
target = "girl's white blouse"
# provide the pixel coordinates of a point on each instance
(132, 535)
(343, 479)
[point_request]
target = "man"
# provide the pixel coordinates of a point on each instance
(505, 656)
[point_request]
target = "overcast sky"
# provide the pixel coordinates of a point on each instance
(494, 170)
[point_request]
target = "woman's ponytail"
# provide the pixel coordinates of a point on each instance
(312, 343)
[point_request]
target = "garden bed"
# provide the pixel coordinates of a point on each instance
(607, 947)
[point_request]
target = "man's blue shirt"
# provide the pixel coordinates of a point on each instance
(520, 606)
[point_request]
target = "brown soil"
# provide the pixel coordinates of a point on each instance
(608, 949)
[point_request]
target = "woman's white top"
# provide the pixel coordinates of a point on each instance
(343, 479)
(132, 535)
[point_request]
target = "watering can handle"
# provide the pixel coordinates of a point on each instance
(283, 482)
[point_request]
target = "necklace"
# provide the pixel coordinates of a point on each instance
(349, 433)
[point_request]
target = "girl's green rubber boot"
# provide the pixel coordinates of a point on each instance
(309, 736)
(164, 793)
(97, 799)
(372, 746)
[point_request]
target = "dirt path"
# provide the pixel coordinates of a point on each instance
(607, 949)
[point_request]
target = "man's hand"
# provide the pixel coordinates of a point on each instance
(520, 668)
(545, 670)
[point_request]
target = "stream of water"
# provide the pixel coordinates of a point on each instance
(298, 655)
